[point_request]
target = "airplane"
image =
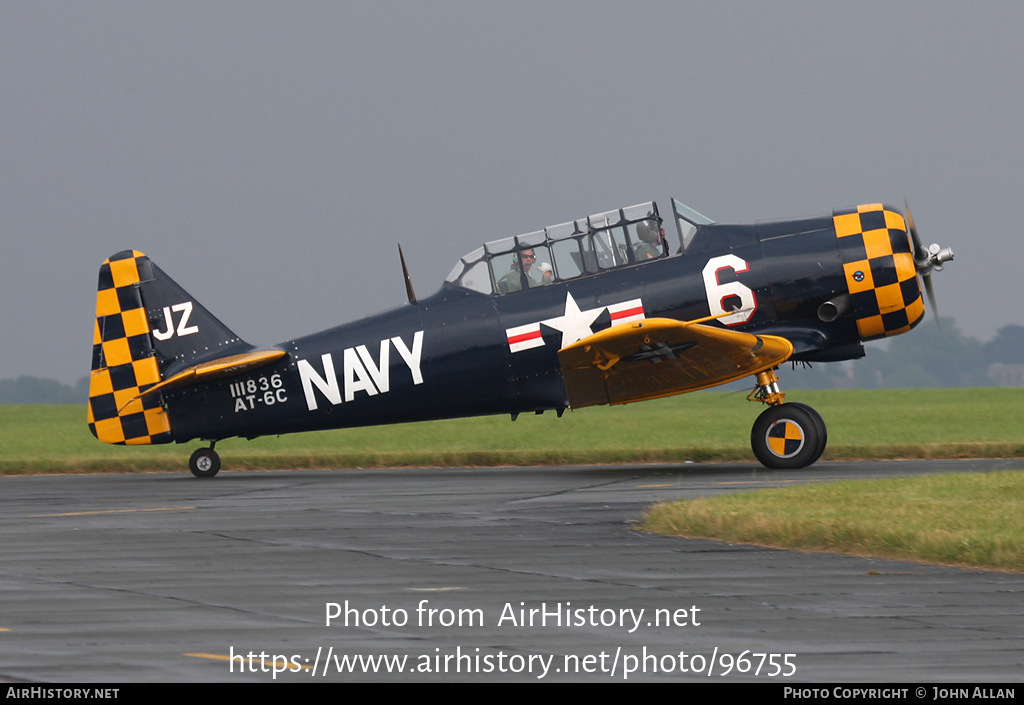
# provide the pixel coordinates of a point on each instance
(600, 310)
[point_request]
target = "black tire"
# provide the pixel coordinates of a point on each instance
(822, 430)
(204, 462)
(786, 437)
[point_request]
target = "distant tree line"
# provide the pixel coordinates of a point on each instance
(930, 357)
(36, 390)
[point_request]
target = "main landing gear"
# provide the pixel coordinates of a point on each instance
(205, 462)
(785, 436)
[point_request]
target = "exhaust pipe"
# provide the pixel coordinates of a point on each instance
(834, 308)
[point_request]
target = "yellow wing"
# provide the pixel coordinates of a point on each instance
(659, 357)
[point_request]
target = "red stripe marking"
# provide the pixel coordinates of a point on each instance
(638, 311)
(513, 339)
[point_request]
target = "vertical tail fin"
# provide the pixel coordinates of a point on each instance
(147, 329)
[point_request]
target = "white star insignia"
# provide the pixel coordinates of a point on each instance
(574, 324)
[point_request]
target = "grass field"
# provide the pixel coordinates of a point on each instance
(706, 426)
(974, 520)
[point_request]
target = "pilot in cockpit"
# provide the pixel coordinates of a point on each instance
(652, 239)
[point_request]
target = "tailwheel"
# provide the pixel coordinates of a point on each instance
(204, 462)
(788, 436)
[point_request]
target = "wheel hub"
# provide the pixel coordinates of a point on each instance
(785, 438)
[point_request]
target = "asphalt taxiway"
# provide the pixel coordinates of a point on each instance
(162, 577)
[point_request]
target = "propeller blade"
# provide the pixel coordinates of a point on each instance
(931, 297)
(919, 251)
(922, 255)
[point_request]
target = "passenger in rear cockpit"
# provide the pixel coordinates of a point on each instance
(513, 281)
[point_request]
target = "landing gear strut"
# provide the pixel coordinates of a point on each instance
(785, 436)
(204, 462)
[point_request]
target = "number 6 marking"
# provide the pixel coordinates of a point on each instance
(717, 292)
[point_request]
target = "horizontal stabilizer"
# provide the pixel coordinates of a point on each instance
(215, 369)
(659, 357)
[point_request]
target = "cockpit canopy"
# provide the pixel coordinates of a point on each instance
(579, 248)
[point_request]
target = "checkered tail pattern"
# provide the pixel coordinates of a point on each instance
(124, 363)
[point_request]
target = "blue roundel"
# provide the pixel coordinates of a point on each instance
(858, 276)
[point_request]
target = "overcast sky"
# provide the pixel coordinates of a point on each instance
(270, 156)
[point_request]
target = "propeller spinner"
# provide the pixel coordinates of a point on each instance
(927, 259)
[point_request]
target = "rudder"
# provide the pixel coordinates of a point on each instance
(123, 359)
